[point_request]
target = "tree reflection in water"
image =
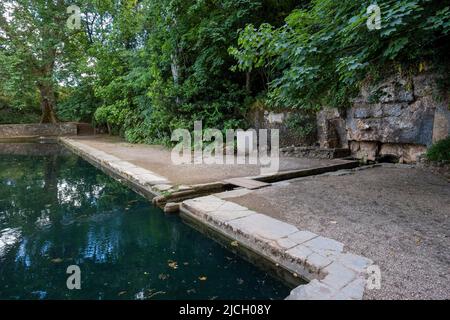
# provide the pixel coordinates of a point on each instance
(64, 211)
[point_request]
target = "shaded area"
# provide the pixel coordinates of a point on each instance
(57, 211)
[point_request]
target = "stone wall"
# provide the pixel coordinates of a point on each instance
(31, 130)
(264, 119)
(399, 117)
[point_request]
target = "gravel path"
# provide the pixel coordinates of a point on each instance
(398, 217)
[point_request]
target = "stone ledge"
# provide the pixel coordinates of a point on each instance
(333, 273)
(143, 178)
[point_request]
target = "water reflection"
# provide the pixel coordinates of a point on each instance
(57, 210)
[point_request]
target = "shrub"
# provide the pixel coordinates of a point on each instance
(440, 151)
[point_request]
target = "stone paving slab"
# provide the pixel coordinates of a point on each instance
(332, 272)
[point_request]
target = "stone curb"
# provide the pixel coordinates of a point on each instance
(144, 178)
(332, 273)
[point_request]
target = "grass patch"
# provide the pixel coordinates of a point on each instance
(440, 151)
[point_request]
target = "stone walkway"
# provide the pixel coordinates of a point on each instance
(157, 160)
(332, 272)
(396, 216)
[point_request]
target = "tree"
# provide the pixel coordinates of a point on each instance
(33, 41)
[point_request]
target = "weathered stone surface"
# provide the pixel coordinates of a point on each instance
(410, 112)
(205, 204)
(316, 262)
(325, 246)
(354, 262)
(284, 243)
(331, 129)
(171, 207)
(315, 152)
(150, 179)
(406, 153)
(263, 226)
(364, 150)
(398, 123)
(353, 291)
(338, 275)
(300, 253)
(424, 84)
(233, 193)
(302, 236)
(223, 216)
(314, 290)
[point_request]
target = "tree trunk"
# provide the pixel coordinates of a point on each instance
(248, 82)
(47, 104)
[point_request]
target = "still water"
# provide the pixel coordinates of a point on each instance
(57, 210)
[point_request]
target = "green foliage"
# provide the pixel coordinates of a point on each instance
(323, 52)
(302, 124)
(144, 68)
(440, 151)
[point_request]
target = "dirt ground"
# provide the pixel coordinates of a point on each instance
(157, 159)
(396, 216)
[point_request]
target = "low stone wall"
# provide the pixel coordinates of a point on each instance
(41, 130)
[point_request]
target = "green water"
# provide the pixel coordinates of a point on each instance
(58, 210)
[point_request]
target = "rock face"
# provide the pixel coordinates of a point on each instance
(331, 129)
(399, 117)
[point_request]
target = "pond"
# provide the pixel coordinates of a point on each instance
(57, 210)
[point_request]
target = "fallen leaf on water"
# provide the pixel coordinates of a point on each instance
(172, 264)
(152, 293)
(235, 244)
(202, 278)
(240, 281)
(57, 260)
(121, 293)
(186, 263)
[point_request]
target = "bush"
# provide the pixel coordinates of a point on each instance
(440, 151)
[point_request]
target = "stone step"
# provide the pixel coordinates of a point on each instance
(247, 183)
